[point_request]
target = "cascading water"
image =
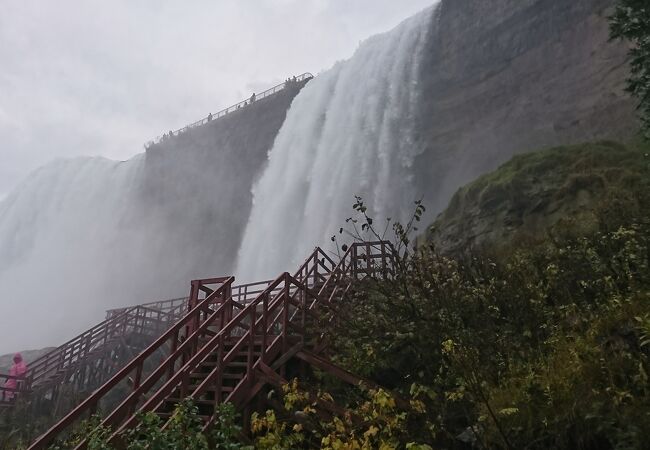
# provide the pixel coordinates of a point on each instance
(88, 234)
(350, 131)
(58, 242)
(84, 235)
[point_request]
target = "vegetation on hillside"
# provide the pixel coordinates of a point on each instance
(631, 21)
(543, 342)
(541, 345)
(529, 330)
(540, 342)
(533, 193)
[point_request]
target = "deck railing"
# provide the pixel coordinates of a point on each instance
(264, 314)
(237, 106)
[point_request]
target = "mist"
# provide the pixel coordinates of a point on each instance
(82, 235)
(81, 78)
(350, 132)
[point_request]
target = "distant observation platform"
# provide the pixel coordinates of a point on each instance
(236, 107)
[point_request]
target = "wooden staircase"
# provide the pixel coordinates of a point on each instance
(88, 360)
(232, 342)
(231, 375)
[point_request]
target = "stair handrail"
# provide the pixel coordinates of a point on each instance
(90, 404)
(164, 305)
(282, 318)
(118, 414)
(224, 112)
(358, 261)
(268, 305)
(62, 359)
(347, 266)
(70, 352)
(115, 419)
(60, 356)
(126, 407)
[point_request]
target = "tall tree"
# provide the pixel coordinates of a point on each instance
(631, 21)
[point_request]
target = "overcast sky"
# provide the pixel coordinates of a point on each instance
(102, 77)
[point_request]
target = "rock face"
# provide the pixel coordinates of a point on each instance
(197, 186)
(582, 188)
(498, 77)
(507, 76)
(105, 234)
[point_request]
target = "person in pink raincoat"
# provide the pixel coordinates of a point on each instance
(19, 369)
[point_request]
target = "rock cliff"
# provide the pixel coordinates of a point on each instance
(575, 189)
(501, 77)
(197, 186)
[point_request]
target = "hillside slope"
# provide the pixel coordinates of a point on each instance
(532, 193)
(510, 76)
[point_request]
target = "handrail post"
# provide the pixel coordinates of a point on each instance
(303, 313)
(219, 380)
(138, 377)
(227, 297)
(368, 273)
(285, 314)
(170, 372)
(193, 301)
(265, 314)
(251, 347)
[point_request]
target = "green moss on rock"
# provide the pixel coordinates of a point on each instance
(582, 186)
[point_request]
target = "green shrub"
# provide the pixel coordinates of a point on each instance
(536, 344)
(631, 21)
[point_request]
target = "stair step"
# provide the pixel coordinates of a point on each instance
(176, 400)
(167, 415)
(237, 364)
(212, 364)
(226, 389)
(225, 375)
(209, 390)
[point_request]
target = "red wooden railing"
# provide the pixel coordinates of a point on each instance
(223, 322)
(8, 395)
(144, 320)
(174, 307)
(174, 344)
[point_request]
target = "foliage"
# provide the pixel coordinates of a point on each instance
(541, 342)
(537, 344)
(535, 192)
(631, 21)
(184, 430)
(374, 423)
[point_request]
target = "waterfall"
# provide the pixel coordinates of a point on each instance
(83, 235)
(349, 132)
(60, 248)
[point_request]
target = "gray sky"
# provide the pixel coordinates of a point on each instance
(102, 77)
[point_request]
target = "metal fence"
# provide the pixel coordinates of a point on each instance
(237, 106)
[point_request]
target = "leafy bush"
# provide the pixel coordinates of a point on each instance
(376, 422)
(631, 21)
(537, 344)
(184, 431)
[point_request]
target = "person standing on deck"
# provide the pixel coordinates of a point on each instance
(18, 369)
